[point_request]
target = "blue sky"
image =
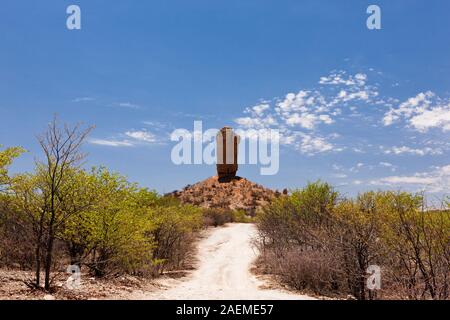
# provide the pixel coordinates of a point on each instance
(361, 109)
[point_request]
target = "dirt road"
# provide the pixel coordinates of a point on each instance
(225, 257)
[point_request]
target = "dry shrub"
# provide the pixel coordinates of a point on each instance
(217, 217)
(214, 217)
(16, 247)
(316, 243)
(308, 271)
(174, 235)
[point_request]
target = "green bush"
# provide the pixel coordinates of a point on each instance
(173, 234)
(240, 216)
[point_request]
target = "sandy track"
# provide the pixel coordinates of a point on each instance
(225, 257)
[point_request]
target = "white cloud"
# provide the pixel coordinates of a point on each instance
(361, 78)
(83, 99)
(111, 143)
(340, 78)
(300, 116)
(404, 180)
(259, 109)
(413, 151)
(340, 97)
(308, 109)
(127, 139)
(339, 175)
(156, 125)
(337, 167)
(358, 150)
(438, 117)
(326, 119)
(422, 112)
(128, 105)
(307, 120)
(358, 167)
(312, 145)
(143, 136)
(255, 122)
(388, 165)
(413, 105)
(437, 180)
(351, 88)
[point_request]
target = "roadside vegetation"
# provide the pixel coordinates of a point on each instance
(317, 242)
(216, 217)
(62, 214)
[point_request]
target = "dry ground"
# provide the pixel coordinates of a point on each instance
(225, 257)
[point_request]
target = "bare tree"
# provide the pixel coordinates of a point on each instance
(61, 147)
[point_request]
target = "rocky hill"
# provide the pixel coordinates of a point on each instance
(234, 194)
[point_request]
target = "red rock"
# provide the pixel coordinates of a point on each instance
(234, 193)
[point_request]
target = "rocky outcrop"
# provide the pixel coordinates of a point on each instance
(233, 193)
